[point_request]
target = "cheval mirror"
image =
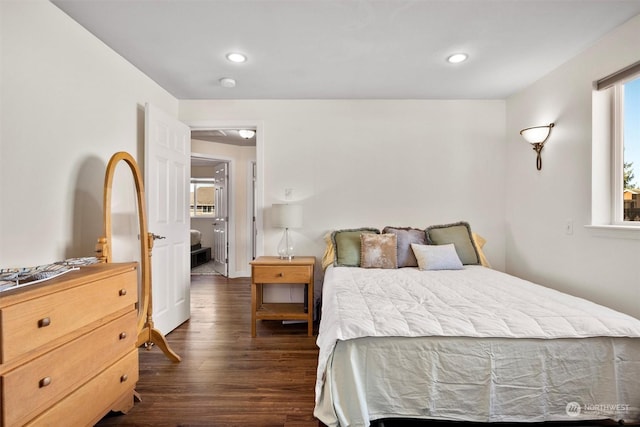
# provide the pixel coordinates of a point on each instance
(147, 334)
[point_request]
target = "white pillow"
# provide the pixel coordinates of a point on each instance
(437, 257)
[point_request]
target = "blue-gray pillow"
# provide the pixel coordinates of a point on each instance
(405, 237)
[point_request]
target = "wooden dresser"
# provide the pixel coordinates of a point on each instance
(68, 347)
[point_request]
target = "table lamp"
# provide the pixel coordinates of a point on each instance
(286, 216)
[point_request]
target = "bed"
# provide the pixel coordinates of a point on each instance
(196, 238)
(199, 254)
(467, 344)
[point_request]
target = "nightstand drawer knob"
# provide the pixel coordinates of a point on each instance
(44, 382)
(44, 322)
(281, 274)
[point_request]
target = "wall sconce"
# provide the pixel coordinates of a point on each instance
(537, 136)
(286, 216)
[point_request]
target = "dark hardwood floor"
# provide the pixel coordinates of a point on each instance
(226, 378)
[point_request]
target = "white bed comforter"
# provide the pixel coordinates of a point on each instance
(474, 302)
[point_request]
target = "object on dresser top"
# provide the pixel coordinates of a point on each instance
(12, 278)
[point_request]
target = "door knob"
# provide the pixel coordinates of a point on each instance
(157, 237)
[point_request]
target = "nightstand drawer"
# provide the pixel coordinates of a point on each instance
(281, 274)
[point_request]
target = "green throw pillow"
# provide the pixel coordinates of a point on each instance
(459, 234)
(347, 245)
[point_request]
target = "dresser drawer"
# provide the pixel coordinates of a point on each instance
(33, 387)
(103, 391)
(30, 324)
(276, 274)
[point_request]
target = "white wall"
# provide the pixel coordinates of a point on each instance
(240, 159)
(68, 103)
(593, 264)
(374, 163)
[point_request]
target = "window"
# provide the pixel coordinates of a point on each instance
(623, 88)
(202, 197)
(627, 151)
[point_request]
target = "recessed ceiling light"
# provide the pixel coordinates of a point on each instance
(227, 82)
(236, 57)
(457, 58)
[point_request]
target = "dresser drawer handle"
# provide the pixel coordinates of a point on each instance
(122, 292)
(124, 378)
(44, 322)
(44, 382)
(122, 335)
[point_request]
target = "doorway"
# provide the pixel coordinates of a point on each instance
(209, 195)
(228, 161)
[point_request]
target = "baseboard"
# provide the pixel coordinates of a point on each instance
(238, 274)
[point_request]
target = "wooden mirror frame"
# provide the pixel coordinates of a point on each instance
(147, 334)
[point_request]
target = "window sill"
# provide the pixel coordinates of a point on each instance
(615, 231)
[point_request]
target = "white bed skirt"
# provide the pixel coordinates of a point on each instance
(481, 380)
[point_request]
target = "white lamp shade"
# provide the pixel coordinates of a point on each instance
(286, 216)
(536, 135)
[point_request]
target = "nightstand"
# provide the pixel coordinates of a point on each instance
(273, 270)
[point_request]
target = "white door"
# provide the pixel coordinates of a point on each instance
(167, 169)
(221, 221)
(254, 210)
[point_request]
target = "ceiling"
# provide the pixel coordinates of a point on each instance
(221, 136)
(224, 136)
(348, 49)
